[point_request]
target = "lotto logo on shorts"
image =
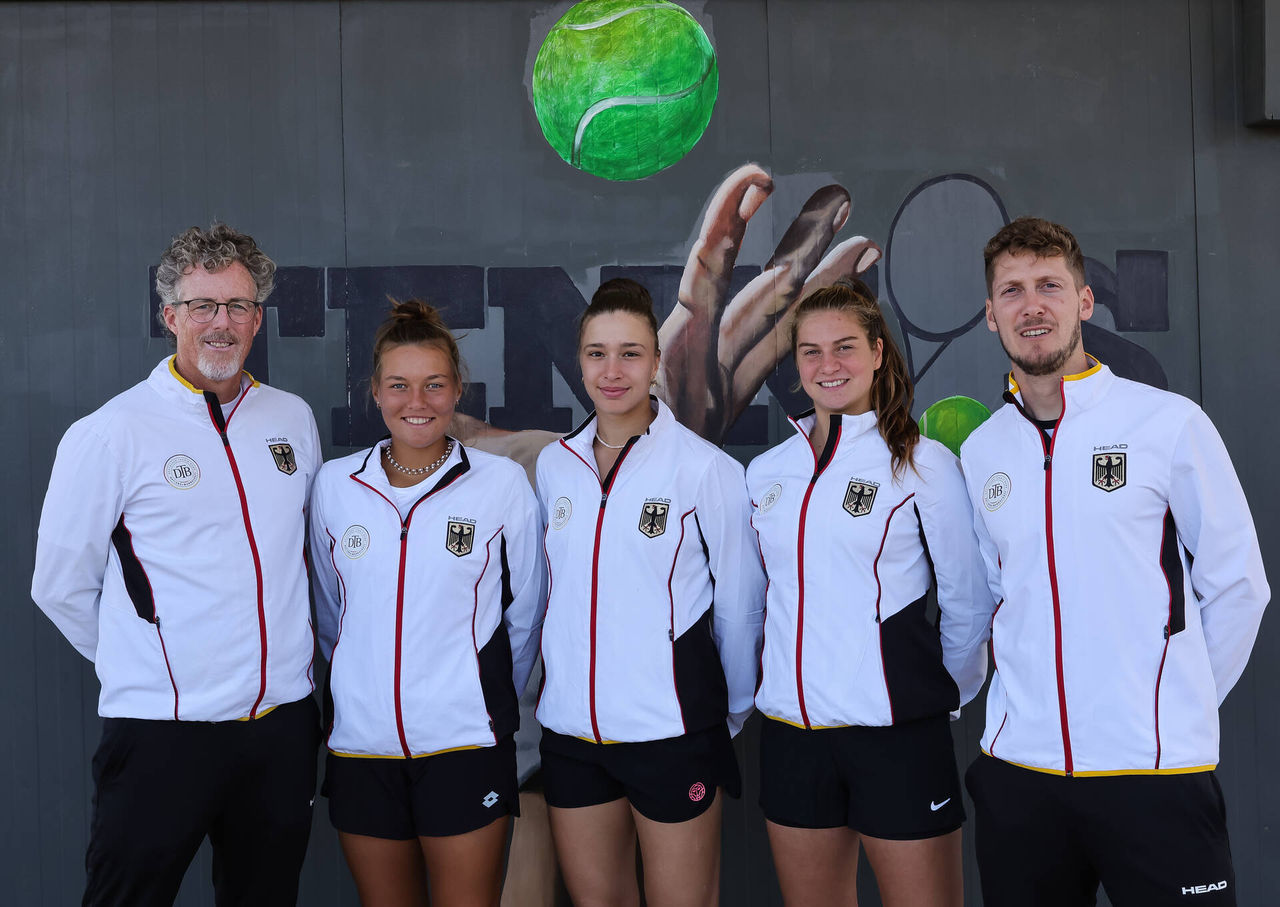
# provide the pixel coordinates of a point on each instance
(697, 792)
(490, 799)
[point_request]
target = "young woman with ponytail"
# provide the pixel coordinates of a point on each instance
(859, 518)
(429, 583)
(652, 637)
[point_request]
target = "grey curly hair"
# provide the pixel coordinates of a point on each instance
(212, 249)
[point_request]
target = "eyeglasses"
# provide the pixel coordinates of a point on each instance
(202, 311)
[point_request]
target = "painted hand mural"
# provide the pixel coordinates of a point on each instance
(724, 335)
(720, 347)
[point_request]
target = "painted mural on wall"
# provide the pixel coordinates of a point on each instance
(622, 88)
(725, 322)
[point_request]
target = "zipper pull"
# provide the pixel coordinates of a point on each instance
(604, 496)
(671, 635)
(404, 532)
(1048, 461)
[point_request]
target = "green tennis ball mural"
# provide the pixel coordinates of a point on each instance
(951, 419)
(623, 89)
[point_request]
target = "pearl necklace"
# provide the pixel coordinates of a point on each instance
(421, 470)
(605, 443)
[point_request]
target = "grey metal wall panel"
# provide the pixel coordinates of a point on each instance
(1238, 196)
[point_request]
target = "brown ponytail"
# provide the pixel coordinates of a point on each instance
(412, 323)
(891, 390)
(621, 295)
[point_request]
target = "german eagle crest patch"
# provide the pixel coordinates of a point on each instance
(460, 538)
(859, 497)
(1110, 471)
(653, 518)
(286, 462)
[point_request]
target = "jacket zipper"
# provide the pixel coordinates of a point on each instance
(1047, 445)
(446, 480)
(215, 415)
(820, 462)
(404, 553)
(605, 485)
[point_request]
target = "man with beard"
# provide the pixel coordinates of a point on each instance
(1119, 542)
(170, 554)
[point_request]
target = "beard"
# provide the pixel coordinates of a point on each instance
(1048, 363)
(220, 366)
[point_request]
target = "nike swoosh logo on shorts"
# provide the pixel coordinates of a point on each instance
(934, 807)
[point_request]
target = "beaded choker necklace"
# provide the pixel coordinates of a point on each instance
(420, 470)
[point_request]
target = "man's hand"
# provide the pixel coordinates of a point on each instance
(717, 352)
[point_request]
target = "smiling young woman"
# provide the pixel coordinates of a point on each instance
(858, 519)
(653, 628)
(417, 388)
(429, 583)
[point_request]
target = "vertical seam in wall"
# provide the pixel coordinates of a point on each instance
(1195, 194)
(71, 244)
(342, 144)
(21, 123)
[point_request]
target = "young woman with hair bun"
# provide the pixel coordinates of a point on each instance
(859, 518)
(652, 636)
(429, 582)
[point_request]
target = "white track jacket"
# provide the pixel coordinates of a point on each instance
(1132, 584)
(851, 552)
(430, 622)
(654, 616)
(170, 551)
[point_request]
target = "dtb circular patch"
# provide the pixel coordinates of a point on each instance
(770, 497)
(996, 491)
(355, 542)
(181, 472)
(560, 512)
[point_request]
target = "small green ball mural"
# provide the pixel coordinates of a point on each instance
(951, 419)
(623, 89)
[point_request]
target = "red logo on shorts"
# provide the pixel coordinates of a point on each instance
(697, 792)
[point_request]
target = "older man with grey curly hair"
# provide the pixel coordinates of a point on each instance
(170, 555)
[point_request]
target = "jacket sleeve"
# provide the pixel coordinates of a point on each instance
(986, 546)
(324, 578)
(965, 600)
(1215, 526)
(527, 569)
(724, 519)
(81, 509)
(317, 456)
